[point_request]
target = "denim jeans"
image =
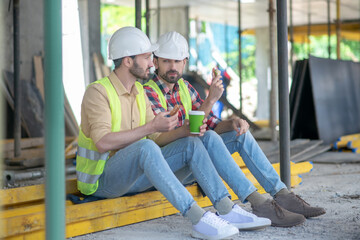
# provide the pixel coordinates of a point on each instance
(142, 165)
(255, 160)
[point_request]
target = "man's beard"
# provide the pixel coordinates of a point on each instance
(172, 79)
(138, 72)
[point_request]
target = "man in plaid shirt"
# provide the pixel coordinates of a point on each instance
(223, 138)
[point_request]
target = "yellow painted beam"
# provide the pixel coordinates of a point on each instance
(101, 215)
(350, 137)
(353, 144)
(28, 221)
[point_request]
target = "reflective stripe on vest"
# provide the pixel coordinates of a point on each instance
(89, 162)
(183, 91)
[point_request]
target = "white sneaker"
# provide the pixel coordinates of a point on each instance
(211, 226)
(244, 220)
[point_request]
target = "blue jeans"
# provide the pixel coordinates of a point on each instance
(142, 165)
(254, 159)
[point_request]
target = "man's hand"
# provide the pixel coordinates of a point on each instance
(162, 123)
(216, 87)
(203, 128)
(240, 123)
(186, 128)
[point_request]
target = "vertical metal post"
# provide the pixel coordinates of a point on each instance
(17, 88)
(273, 91)
(291, 39)
(240, 58)
(329, 28)
(338, 29)
(54, 122)
(226, 39)
(309, 29)
(284, 118)
(147, 17)
(138, 14)
(158, 19)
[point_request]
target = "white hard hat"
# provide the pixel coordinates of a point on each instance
(129, 41)
(172, 45)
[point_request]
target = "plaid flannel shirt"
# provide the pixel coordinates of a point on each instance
(173, 98)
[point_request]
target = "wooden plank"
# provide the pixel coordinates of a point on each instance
(20, 195)
(25, 154)
(336, 157)
(8, 144)
(312, 153)
(349, 137)
(297, 150)
(32, 106)
(39, 75)
(274, 150)
(353, 144)
(8, 93)
(99, 215)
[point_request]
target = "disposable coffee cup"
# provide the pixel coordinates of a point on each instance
(196, 120)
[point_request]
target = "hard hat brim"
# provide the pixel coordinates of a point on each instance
(153, 48)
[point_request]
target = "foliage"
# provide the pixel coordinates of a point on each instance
(349, 50)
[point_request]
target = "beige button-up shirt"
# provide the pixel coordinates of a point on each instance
(96, 113)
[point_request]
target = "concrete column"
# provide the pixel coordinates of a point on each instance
(262, 66)
(89, 12)
(262, 72)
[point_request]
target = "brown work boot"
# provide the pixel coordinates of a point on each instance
(279, 216)
(296, 204)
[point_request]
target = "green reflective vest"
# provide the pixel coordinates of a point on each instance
(183, 91)
(89, 162)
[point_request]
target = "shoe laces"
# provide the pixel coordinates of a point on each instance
(301, 200)
(214, 220)
(278, 210)
(241, 211)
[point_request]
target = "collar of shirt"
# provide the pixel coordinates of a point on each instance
(119, 87)
(163, 87)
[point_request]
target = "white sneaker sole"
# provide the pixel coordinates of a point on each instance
(228, 235)
(262, 223)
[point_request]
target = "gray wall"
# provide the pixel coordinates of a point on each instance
(31, 36)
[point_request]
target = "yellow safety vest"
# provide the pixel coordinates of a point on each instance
(183, 91)
(89, 162)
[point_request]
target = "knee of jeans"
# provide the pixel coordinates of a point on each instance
(193, 143)
(148, 145)
(211, 135)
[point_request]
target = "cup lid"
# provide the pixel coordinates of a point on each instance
(195, 112)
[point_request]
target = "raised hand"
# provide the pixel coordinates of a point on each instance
(216, 87)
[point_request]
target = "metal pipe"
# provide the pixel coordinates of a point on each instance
(17, 88)
(291, 39)
(158, 19)
(12, 177)
(284, 118)
(338, 29)
(147, 17)
(309, 29)
(273, 91)
(240, 58)
(329, 28)
(138, 14)
(54, 122)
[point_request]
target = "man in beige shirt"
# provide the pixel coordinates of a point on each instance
(116, 117)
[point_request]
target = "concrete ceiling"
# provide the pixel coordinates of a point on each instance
(254, 12)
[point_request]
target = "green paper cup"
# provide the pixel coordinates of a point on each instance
(196, 120)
